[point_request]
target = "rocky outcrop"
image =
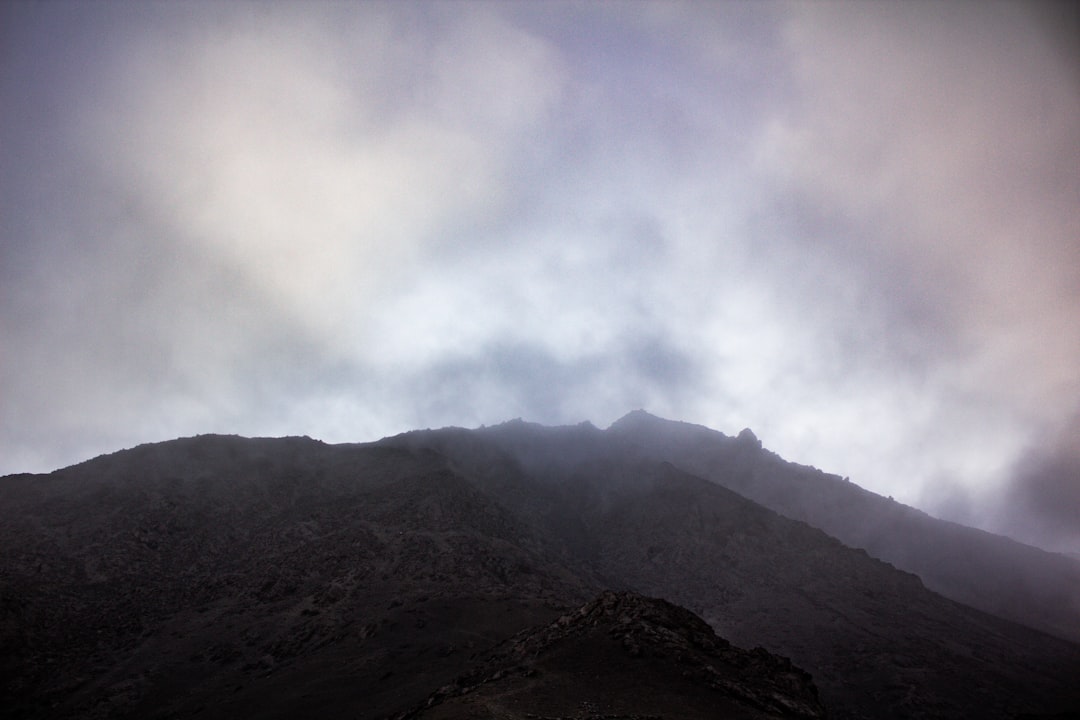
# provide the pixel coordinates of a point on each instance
(629, 645)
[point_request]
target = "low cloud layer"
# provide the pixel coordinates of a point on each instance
(850, 227)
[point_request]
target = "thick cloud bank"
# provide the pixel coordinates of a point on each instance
(852, 227)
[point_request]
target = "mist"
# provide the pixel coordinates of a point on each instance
(852, 228)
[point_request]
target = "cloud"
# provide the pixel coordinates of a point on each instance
(508, 380)
(249, 186)
(286, 149)
(851, 228)
(949, 135)
(1041, 504)
(931, 153)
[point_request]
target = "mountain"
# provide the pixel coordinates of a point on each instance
(875, 640)
(986, 571)
(221, 576)
(269, 578)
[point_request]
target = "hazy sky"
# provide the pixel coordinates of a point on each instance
(854, 228)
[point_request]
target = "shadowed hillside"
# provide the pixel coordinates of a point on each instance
(876, 641)
(989, 572)
(623, 656)
(223, 577)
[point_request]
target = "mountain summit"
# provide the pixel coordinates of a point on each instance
(473, 573)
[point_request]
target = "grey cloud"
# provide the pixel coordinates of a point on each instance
(921, 174)
(1041, 502)
(179, 235)
(530, 381)
(850, 228)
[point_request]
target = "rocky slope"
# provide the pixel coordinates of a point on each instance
(625, 656)
(986, 571)
(221, 576)
(224, 576)
(877, 642)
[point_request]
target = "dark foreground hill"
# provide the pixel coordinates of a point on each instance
(624, 656)
(226, 577)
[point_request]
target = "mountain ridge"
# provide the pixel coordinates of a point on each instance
(991, 572)
(1034, 586)
(221, 574)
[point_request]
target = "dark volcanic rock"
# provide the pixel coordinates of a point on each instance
(626, 656)
(876, 641)
(261, 578)
(225, 577)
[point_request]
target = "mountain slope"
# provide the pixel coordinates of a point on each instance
(222, 576)
(986, 571)
(876, 641)
(211, 574)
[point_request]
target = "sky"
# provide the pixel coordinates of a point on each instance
(851, 227)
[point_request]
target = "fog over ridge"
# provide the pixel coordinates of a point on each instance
(852, 228)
